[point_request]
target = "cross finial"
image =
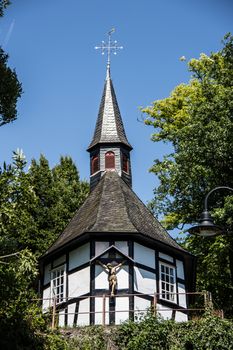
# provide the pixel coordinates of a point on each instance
(110, 47)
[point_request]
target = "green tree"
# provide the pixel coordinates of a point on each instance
(3, 5)
(10, 90)
(197, 121)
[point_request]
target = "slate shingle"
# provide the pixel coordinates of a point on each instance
(113, 207)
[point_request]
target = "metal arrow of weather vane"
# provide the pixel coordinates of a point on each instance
(110, 46)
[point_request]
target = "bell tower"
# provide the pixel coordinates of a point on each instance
(109, 148)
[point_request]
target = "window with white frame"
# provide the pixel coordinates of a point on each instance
(167, 282)
(58, 284)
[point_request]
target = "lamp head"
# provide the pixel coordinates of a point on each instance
(206, 226)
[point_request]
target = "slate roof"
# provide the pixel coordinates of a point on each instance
(109, 126)
(112, 207)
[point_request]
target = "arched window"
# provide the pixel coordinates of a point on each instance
(125, 163)
(94, 164)
(110, 160)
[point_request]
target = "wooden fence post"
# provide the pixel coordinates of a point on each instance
(54, 313)
(154, 304)
(104, 310)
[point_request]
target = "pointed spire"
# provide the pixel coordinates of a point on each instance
(109, 126)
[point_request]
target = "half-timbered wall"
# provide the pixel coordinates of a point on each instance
(140, 274)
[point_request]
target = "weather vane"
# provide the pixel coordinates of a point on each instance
(110, 46)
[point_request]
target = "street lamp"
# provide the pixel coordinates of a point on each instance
(206, 226)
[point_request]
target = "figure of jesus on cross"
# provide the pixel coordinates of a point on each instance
(112, 277)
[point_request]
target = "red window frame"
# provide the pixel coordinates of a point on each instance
(95, 164)
(110, 160)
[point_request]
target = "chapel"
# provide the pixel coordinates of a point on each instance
(114, 259)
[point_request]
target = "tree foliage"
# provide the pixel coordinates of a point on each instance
(209, 332)
(3, 6)
(35, 206)
(197, 121)
(10, 90)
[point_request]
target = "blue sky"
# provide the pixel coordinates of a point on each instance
(51, 46)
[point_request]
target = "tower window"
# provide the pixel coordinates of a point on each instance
(110, 160)
(167, 283)
(125, 163)
(94, 164)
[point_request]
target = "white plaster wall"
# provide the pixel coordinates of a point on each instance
(144, 255)
(101, 278)
(144, 281)
(180, 269)
(61, 318)
(79, 256)
(181, 317)
(122, 303)
(100, 247)
(164, 311)
(123, 277)
(122, 246)
(59, 261)
(142, 305)
(99, 310)
(182, 296)
(47, 273)
(46, 299)
(83, 316)
(166, 257)
(79, 282)
(71, 312)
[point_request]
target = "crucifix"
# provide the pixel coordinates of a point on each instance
(112, 277)
(110, 47)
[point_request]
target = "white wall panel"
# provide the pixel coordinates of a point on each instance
(142, 305)
(166, 257)
(101, 278)
(46, 299)
(181, 317)
(100, 247)
(59, 261)
(164, 311)
(180, 269)
(144, 281)
(61, 318)
(79, 256)
(83, 316)
(122, 246)
(182, 296)
(144, 255)
(47, 273)
(123, 278)
(71, 312)
(99, 310)
(122, 303)
(79, 282)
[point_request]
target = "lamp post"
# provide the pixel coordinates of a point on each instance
(206, 226)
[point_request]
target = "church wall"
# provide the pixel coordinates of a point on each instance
(122, 305)
(101, 278)
(141, 306)
(139, 275)
(144, 281)
(180, 269)
(144, 255)
(79, 282)
(47, 274)
(46, 299)
(98, 310)
(79, 256)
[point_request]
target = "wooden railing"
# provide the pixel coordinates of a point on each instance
(206, 302)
